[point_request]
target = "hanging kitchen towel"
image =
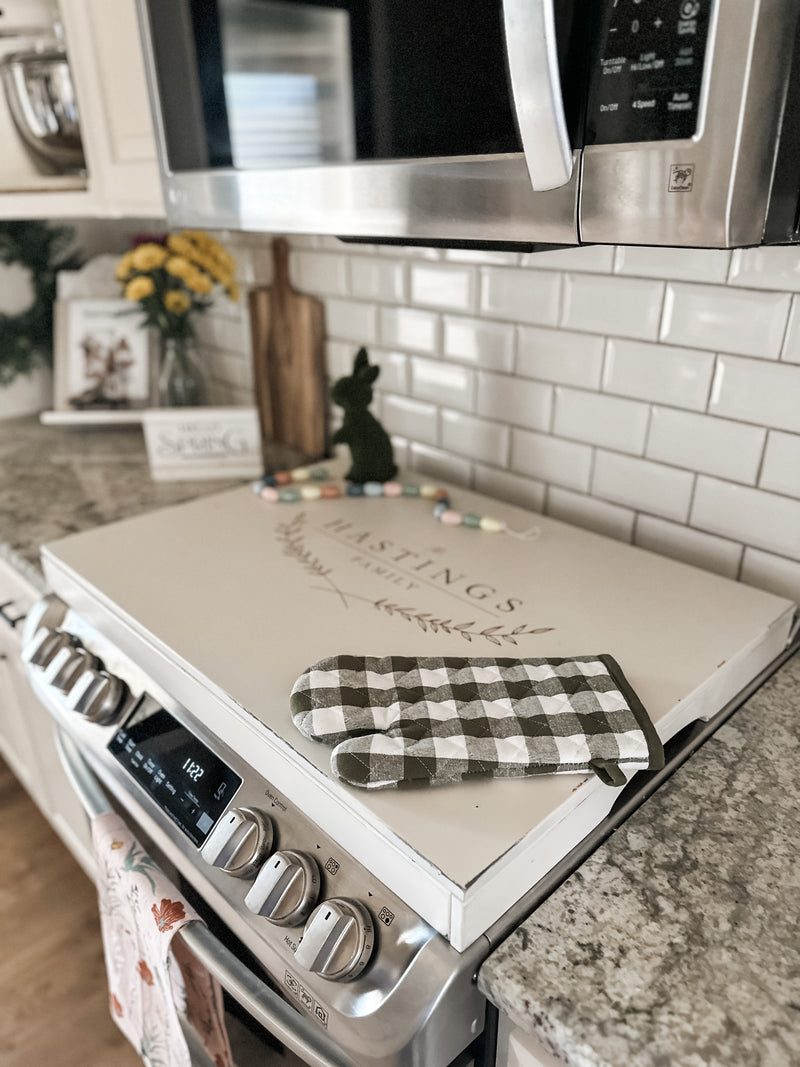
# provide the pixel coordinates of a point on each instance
(150, 979)
(432, 720)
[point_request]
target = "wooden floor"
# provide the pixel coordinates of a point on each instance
(53, 993)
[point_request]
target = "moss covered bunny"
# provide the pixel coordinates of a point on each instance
(370, 447)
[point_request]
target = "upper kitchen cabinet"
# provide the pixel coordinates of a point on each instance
(74, 112)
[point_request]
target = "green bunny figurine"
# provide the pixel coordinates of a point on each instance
(370, 447)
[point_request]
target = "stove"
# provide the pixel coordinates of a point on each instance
(206, 614)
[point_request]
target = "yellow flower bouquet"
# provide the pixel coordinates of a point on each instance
(171, 279)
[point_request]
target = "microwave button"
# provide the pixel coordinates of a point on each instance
(286, 888)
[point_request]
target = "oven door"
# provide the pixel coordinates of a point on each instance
(411, 120)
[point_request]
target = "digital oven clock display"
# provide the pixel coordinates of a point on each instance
(183, 776)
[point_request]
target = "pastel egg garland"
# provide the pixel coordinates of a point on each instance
(305, 484)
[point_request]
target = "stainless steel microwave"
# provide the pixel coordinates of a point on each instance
(481, 122)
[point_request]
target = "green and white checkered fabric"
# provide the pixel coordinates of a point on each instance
(433, 720)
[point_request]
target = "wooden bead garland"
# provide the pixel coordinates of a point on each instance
(304, 483)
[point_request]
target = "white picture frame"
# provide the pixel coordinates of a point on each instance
(102, 359)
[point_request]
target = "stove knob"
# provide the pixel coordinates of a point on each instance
(44, 644)
(239, 842)
(97, 695)
(286, 888)
(337, 941)
(67, 665)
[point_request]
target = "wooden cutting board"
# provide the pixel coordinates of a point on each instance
(288, 334)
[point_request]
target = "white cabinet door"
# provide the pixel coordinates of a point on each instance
(105, 52)
(26, 729)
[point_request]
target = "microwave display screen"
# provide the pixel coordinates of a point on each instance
(648, 75)
(185, 778)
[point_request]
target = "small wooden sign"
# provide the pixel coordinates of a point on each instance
(189, 443)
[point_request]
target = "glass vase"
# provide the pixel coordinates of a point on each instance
(181, 380)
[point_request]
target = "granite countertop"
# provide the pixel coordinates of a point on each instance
(677, 942)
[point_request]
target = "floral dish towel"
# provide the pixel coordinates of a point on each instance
(150, 978)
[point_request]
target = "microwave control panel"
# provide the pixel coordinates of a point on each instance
(648, 72)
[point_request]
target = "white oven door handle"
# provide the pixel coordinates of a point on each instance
(532, 53)
(298, 1034)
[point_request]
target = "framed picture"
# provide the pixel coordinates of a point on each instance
(102, 358)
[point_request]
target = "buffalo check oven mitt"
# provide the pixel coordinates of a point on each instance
(435, 720)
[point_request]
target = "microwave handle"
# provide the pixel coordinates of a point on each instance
(297, 1033)
(530, 32)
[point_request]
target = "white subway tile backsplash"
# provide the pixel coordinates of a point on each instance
(686, 264)
(442, 383)
(476, 438)
(512, 488)
(521, 403)
(772, 573)
(485, 344)
(446, 286)
(591, 258)
(321, 272)
(791, 342)
(394, 374)
(626, 307)
(479, 255)
(551, 459)
(408, 328)
(521, 295)
(662, 373)
(725, 319)
(600, 420)
(339, 356)
(689, 546)
(759, 519)
(438, 464)
(373, 278)
(781, 470)
(578, 509)
(757, 391)
(701, 442)
(349, 320)
(766, 268)
(642, 484)
(560, 356)
(410, 418)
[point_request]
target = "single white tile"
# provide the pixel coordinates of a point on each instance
(579, 509)
(320, 273)
(374, 278)
(447, 286)
(401, 448)
(551, 459)
(781, 470)
(476, 438)
(521, 295)
(560, 356)
(766, 268)
(410, 418)
(485, 344)
(662, 373)
(438, 464)
(723, 319)
(512, 488)
(643, 485)
(230, 367)
(759, 519)
(394, 374)
(715, 446)
(478, 255)
(625, 307)
(757, 391)
(689, 546)
(772, 573)
(410, 252)
(219, 331)
(685, 264)
(339, 356)
(791, 343)
(447, 384)
(513, 400)
(408, 328)
(348, 320)
(600, 420)
(592, 258)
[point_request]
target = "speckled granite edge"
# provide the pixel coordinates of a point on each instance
(677, 942)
